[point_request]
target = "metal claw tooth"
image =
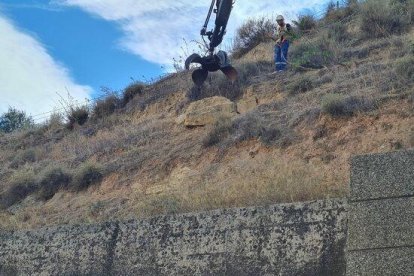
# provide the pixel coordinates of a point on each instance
(230, 72)
(194, 58)
(199, 76)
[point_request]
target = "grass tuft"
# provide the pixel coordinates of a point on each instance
(51, 181)
(85, 176)
(21, 185)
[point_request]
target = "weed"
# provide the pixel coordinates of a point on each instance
(77, 116)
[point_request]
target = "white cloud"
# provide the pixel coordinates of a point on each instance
(155, 29)
(29, 77)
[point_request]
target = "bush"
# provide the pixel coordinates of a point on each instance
(334, 14)
(249, 126)
(77, 115)
(405, 69)
(220, 131)
(301, 85)
(253, 125)
(381, 18)
(85, 176)
(105, 107)
(338, 32)
(55, 121)
(250, 34)
(338, 105)
(26, 156)
(305, 23)
(22, 184)
(52, 180)
(131, 91)
(314, 54)
(14, 120)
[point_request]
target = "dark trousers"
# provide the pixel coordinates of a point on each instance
(281, 55)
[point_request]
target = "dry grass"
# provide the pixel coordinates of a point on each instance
(261, 181)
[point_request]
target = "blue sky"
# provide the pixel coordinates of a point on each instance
(51, 47)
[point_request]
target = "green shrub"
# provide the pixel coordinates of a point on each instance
(306, 23)
(338, 105)
(381, 18)
(314, 54)
(77, 116)
(250, 34)
(105, 107)
(85, 176)
(14, 120)
(300, 85)
(51, 181)
(21, 184)
(131, 91)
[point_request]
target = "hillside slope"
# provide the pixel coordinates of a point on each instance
(294, 145)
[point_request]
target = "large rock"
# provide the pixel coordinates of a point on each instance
(208, 111)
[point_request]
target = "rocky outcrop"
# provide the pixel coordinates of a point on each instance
(208, 111)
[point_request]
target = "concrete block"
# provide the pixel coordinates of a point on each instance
(382, 176)
(378, 224)
(386, 262)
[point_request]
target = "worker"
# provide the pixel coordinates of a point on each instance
(282, 39)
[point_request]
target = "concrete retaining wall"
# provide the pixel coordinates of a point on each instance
(381, 215)
(291, 239)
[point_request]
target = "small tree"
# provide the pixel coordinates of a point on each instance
(14, 119)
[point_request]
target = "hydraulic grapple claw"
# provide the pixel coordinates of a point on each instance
(211, 63)
(214, 62)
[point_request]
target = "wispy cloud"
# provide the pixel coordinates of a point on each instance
(40, 6)
(155, 30)
(30, 78)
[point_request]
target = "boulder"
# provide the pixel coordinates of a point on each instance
(208, 111)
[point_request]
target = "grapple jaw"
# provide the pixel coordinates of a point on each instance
(211, 63)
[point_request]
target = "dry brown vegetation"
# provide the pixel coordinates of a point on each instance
(344, 94)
